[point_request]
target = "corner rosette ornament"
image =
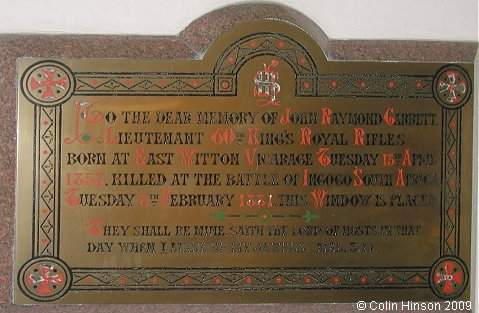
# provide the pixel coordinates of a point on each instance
(452, 87)
(266, 85)
(45, 279)
(48, 83)
(448, 277)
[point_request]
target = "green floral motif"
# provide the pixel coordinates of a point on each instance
(310, 216)
(220, 215)
(265, 216)
(86, 138)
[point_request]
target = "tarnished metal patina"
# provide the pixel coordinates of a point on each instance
(261, 173)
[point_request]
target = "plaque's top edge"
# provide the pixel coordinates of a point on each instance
(195, 39)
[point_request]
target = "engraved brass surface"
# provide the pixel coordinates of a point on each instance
(262, 173)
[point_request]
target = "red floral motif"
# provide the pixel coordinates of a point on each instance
(44, 280)
(453, 86)
(449, 276)
(47, 81)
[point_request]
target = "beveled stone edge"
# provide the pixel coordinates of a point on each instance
(202, 32)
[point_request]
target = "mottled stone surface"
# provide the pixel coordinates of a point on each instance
(190, 44)
(416, 51)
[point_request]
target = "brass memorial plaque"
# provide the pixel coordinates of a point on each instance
(261, 173)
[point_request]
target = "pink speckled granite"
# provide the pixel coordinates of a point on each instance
(190, 44)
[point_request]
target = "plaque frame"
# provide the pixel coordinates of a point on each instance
(222, 82)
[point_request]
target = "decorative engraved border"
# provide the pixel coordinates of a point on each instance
(46, 194)
(200, 84)
(263, 278)
(223, 81)
(451, 184)
(144, 84)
